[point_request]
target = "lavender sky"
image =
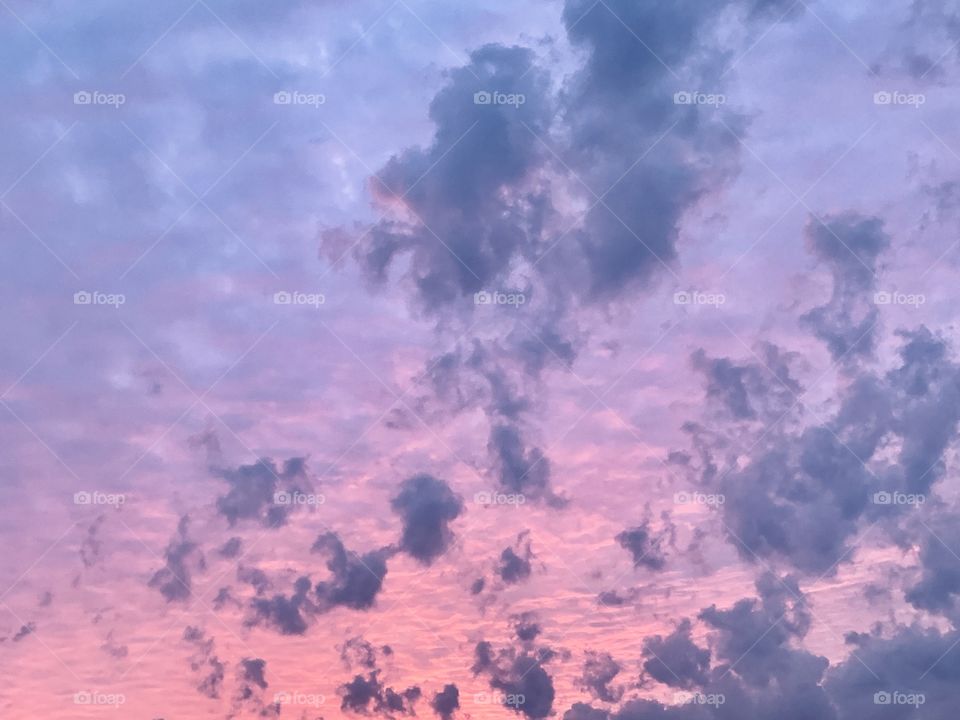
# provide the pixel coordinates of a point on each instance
(586, 359)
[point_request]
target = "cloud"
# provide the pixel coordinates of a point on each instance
(25, 630)
(368, 695)
(849, 245)
(599, 670)
(446, 702)
(284, 614)
(675, 660)
(427, 506)
(518, 675)
(645, 546)
(254, 488)
(357, 579)
(467, 186)
(204, 660)
(174, 581)
(520, 470)
(515, 561)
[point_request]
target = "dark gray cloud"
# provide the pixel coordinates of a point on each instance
(849, 245)
(285, 614)
(645, 545)
(446, 702)
(752, 389)
(599, 670)
(174, 581)
(467, 187)
(204, 661)
(515, 561)
(231, 548)
(801, 489)
(520, 470)
(25, 630)
(675, 660)
(912, 660)
(254, 490)
(356, 579)
(368, 695)
(427, 506)
(518, 674)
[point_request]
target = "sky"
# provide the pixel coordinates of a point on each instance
(575, 359)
